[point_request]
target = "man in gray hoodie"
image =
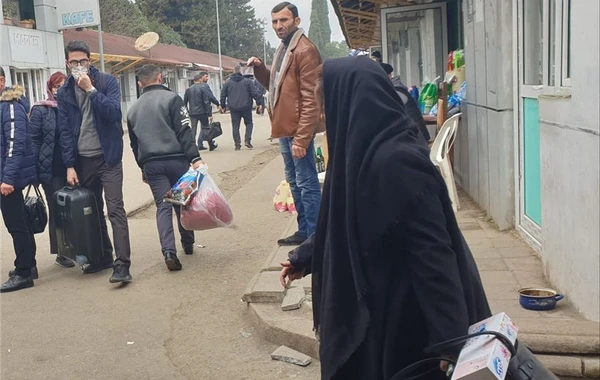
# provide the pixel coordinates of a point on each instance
(164, 148)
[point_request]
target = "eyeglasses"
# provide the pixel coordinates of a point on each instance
(82, 62)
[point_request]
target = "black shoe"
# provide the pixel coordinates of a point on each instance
(172, 262)
(201, 148)
(237, 147)
(248, 145)
(212, 146)
(120, 274)
(63, 262)
(34, 273)
(294, 239)
(188, 249)
(94, 268)
(16, 282)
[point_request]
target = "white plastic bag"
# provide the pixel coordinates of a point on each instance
(208, 207)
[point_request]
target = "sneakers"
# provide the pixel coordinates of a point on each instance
(294, 239)
(237, 147)
(15, 283)
(63, 262)
(173, 262)
(202, 147)
(94, 268)
(212, 146)
(249, 145)
(34, 273)
(120, 274)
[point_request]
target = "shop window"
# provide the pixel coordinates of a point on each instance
(566, 43)
(415, 42)
(533, 42)
(546, 55)
(32, 81)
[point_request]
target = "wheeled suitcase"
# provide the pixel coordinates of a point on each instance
(77, 223)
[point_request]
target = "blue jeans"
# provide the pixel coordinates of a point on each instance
(301, 174)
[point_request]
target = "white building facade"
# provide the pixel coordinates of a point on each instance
(30, 56)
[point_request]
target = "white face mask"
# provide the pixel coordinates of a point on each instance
(75, 71)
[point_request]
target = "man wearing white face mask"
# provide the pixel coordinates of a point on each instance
(91, 141)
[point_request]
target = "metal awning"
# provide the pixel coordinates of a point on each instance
(360, 20)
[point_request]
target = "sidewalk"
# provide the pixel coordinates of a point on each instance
(567, 343)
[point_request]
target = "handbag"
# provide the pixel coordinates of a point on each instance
(523, 364)
(213, 131)
(35, 210)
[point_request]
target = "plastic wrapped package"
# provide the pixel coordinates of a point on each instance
(283, 200)
(181, 193)
(208, 208)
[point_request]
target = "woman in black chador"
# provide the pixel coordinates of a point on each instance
(390, 268)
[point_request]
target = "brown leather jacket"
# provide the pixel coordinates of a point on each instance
(294, 106)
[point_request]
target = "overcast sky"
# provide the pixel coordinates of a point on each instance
(263, 10)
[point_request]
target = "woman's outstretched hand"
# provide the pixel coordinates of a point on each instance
(289, 274)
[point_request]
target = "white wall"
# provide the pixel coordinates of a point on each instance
(484, 151)
(569, 130)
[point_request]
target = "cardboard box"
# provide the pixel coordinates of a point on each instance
(485, 357)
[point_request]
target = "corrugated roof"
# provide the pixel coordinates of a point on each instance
(161, 53)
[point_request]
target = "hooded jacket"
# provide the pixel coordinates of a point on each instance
(16, 151)
(106, 108)
(239, 93)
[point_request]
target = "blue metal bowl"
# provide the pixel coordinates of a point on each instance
(539, 298)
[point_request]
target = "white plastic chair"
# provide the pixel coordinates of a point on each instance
(439, 156)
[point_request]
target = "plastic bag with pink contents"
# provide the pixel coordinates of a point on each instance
(208, 208)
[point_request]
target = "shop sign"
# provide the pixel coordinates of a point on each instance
(77, 13)
(26, 45)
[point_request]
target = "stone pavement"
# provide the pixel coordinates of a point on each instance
(567, 343)
(164, 325)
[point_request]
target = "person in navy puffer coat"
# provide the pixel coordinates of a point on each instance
(17, 170)
(45, 136)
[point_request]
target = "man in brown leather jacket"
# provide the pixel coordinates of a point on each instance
(295, 111)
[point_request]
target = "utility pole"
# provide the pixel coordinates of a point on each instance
(264, 24)
(219, 44)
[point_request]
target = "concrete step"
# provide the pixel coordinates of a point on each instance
(295, 330)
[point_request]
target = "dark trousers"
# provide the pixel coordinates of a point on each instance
(49, 190)
(161, 176)
(236, 119)
(13, 213)
(203, 119)
(94, 174)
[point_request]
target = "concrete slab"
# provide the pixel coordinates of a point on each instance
(264, 287)
(286, 354)
(491, 264)
(279, 254)
(293, 299)
(591, 368)
(562, 365)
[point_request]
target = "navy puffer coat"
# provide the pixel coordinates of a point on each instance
(16, 150)
(44, 135)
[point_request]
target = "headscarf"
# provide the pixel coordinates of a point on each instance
(375, 158)
(50, 100)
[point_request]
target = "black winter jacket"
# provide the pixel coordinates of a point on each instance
(17, 156)
(239, 93)
(159, 127)
(45, 139)
(197, 99)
